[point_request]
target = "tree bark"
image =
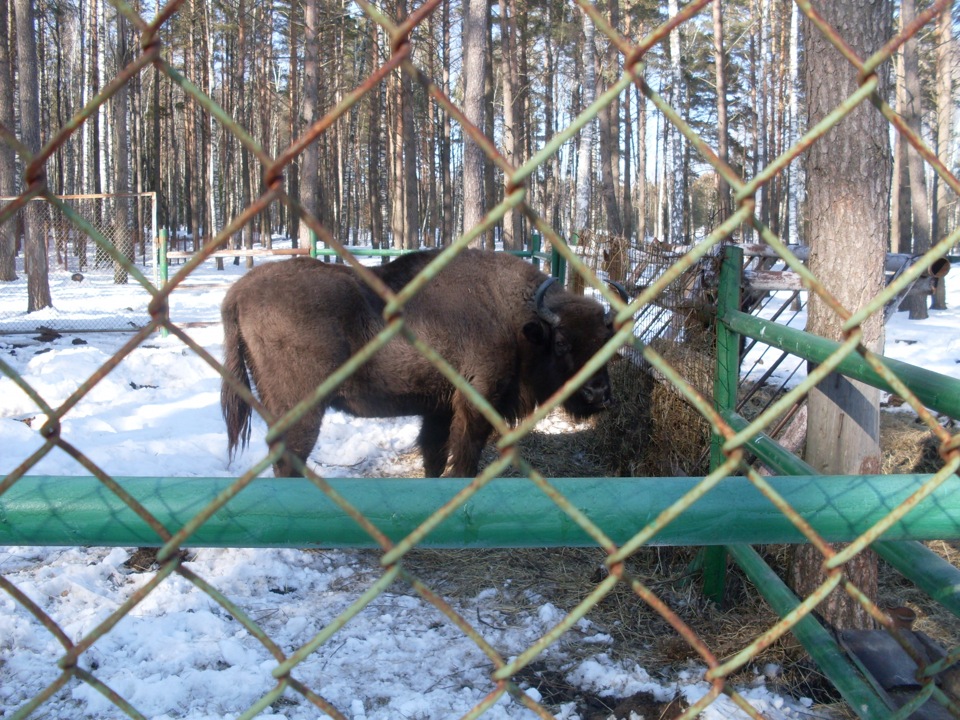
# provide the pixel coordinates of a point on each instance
(609, 127)
(474, 160)
(8, 241)
(512, 115)
(309, 171)
(675, 148)
(849, 188)
(122, 225)
(724, 199)
(588, 85)
(35, 243)
(446, 180)
(374, 144)
(917, 304)
(941, 191)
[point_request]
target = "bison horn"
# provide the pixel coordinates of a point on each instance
(624, 295)
(545, 313)
(620, 290)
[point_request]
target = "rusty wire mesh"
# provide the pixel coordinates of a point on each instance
(651, 296)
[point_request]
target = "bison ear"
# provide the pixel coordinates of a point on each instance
(535, 332)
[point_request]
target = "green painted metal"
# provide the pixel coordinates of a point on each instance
(288, 512)
(925, 569)
(916, 562)
(818, 641)
(163, 263)
(938, 392)
(726, 379)
(939, 579)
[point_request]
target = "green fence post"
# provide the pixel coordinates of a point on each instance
(163, 266)
(313, 244)
(535, 242)
(724, 398)
(558, 266)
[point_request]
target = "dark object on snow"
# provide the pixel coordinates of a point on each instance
(77, 277)
(500, 322)
(47, 334)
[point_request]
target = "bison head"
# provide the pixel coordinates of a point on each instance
(569, 330)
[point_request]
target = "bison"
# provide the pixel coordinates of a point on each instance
(502, 324)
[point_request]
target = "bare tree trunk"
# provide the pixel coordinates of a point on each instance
(375, 97)
(311, 97)
(446, 181)
(581, 218)
(489, 175)
(849, 188)
(123, 238)
(474, 161)
(34, 243)
(293, 170)
(411, 216)
(512, 141)
(641, 165)
(674, 162)
(629, 223)
(8, 240)
(916, 304)
(609, 127)
(724, 200)
(795, 171)
(941, 191)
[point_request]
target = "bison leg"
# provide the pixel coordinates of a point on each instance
(469, 431)
(300, 439)
(432, 440)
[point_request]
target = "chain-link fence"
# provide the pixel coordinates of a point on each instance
(618, 516)
(89, 289)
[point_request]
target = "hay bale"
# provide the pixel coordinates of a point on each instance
(623, 432)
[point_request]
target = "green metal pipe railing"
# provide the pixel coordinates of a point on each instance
(288, 512)
(818, 641)
(938, 392)
(924, 568)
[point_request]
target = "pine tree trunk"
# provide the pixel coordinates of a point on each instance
(674, 162)
(474, 161)
(942, 194)
(724, 199)
(581, 218)
(374, 148)
(34, 244)
(8, 241)
(916, 304)
(849, 189)
(122, 225)
(309, 168)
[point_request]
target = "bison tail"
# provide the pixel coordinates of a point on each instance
(236, 410)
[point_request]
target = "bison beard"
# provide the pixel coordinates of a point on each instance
(500, 322)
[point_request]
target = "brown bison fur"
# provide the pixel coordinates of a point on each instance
(495, 318)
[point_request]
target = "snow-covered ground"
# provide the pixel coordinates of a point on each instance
(178, 654)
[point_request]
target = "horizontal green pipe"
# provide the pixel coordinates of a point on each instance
(818, 641)
(936, 391)
(767, 449)
(508, 512)
(924, 568)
